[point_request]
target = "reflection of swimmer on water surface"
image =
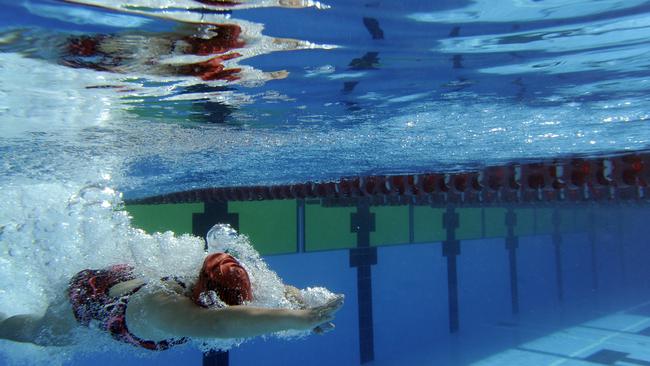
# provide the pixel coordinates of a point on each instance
(224, 5)
(213, 69)
(211, 53)
(263, 3)
(159, 314)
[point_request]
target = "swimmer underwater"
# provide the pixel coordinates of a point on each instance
(157, 316)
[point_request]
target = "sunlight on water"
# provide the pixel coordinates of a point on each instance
(102, 138)
(448, 134)
(612, 45)
(524, 10)
(91, 131)
(84, 16)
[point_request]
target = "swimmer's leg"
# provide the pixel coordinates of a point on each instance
(49, 329)
(20, 328)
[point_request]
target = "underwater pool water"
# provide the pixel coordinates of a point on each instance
(105, 102)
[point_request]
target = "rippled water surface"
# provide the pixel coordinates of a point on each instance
(163, 95)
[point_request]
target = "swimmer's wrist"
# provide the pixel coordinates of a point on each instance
(302, 319)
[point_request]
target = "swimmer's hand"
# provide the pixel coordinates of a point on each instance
(319, 316)
(324, 328)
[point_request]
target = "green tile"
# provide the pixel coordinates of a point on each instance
(566, 220)
(471, 225)
(544, 221)
(328, 228)
(270, 225)
(569, 220)
(530, 221)
(526, 222)
(391, 225)
(574, 220)
(581, 219)
(495, 222)
(164, 217)
(427, 224)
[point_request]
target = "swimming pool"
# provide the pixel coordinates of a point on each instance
(471, 176)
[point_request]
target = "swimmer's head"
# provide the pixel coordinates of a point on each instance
(223, 274)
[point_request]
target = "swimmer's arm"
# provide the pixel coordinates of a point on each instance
(50, 329)
(178, 315)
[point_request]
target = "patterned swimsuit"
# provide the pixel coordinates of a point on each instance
(90, 299)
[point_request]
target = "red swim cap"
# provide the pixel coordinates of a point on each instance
(223, 274)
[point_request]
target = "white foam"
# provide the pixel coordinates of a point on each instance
(49, 232)
(52, 232)
(64, 151)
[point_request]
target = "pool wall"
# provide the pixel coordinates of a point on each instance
(423, 284)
